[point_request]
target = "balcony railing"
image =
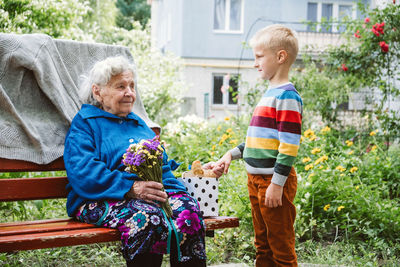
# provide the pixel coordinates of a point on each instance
(317, 42)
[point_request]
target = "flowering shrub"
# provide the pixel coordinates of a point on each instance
(347, 190)
(371, 56)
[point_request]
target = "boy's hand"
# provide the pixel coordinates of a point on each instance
(217, 169)
(225, 161)
(273, 196)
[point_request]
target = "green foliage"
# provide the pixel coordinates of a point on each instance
(51, 17)
(132, 10)
(101, 14)
(368, 62)
(321, 92)
(325, 82)
(344, 191)
(35, 209)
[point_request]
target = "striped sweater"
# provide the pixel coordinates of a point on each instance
(273, 137)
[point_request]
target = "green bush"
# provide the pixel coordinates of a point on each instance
(344, 191)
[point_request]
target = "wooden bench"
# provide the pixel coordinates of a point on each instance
(28, 235)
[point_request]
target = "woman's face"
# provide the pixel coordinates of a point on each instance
(118, 95)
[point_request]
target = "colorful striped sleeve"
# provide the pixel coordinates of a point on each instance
(288, 118)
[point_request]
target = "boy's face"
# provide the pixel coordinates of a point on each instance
(266, 62)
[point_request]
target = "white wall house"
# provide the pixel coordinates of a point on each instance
(209, 35)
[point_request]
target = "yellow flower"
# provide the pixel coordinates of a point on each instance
(234, 141)
(357, 187)
(308, 167)
(219, 128)
(351, 152)
(373, 148)
(315, 150)
(341, 175)
(307, 159)
(212, 153)
(308, 133)
(373, 133)
(312, 138)
(353, 169)
(349, 143)
(227, 118)
(326, 129)
(340, 208)
(224, 137)
(321, 159)
(327, 206)
(213, 147)
(340, 168)
(301, 139)
(229, 130)
(321, 167)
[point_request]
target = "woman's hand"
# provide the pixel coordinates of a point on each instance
(148, 191)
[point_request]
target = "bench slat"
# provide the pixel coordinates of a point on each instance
(41, 227)
(28, 235)
(57, 239)
(67, 232)
(13, 165)
(33, 188)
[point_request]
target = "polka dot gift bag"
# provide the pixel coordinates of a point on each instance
(202, 186)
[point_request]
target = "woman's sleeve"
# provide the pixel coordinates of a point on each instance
(88, 175)
(168, 167)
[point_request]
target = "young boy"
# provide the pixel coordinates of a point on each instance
(272, 142)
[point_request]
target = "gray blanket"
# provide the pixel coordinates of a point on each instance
(39, 80)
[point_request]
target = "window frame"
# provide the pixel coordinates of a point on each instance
(335, 14)
(228, 19)
(225, 96)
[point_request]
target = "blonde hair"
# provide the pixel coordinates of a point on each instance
(277, 37)
(100, 74)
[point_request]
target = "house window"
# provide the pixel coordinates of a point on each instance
(327, 12)
(344, 11)
(312, 11)
(225, 89)
(228, 15)
(321, 16)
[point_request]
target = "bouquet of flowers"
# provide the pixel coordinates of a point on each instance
(145, 159)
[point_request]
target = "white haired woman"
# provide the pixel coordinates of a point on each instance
(102, 193)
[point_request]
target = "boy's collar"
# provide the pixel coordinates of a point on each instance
(279, 85)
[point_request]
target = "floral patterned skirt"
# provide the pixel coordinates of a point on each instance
(145, 228)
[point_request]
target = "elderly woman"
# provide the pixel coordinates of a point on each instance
(102, 193)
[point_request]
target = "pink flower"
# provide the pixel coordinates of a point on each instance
(344, 67)
(366, 20)
(357, 34)
(384, 46)
(188, 222)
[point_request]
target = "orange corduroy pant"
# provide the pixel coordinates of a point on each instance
(273, 227)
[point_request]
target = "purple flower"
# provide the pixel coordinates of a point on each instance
(152, 145)
(137, 160)
(188, 222)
